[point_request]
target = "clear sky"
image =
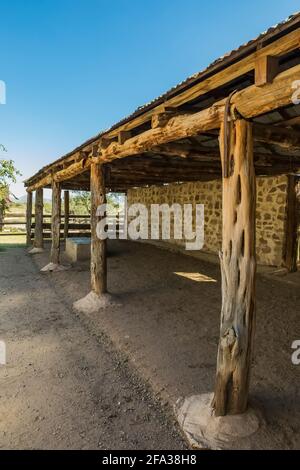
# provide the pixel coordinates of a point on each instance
(75, 67)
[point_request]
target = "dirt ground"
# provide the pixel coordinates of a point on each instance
(166, 333)
(63, 388)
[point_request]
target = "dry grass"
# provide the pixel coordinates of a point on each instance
(11, 241)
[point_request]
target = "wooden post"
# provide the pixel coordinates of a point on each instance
(28, 218)
(38, 231)
(66, 213)
(98, 247)
(55, 223)
(291, 225)
(238, 269)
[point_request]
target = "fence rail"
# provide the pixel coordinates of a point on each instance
(78, 225)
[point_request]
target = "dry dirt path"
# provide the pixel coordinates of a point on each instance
(62, 387)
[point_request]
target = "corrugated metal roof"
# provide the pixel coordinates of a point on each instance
(263, 39)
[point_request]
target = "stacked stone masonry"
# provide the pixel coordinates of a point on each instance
(271, 206)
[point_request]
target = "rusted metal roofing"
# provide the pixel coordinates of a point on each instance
(267, 37)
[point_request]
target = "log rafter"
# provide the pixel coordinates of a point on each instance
(249, 102)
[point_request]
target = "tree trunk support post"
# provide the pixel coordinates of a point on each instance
(98, 298)
(38, 243)
(66, 213)
(98, 247)
(217, 420)
(28, 218)
(290, 248)
(55, 223)
(238, 269)
(54, 264)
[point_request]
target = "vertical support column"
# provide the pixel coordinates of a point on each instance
(98, 298)
(98, 247)
(38, 230)
(66, 213)
(291, 225)
(28, 218)
(55, 223)
(238, 269)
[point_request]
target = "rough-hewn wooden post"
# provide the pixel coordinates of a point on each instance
(38, 230)
(238, 268)
(66, 213)
(98, 247)
(28, 218)
(291, 225)
(55, 223)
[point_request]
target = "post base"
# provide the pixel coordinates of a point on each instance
(33, 251)
(53, 267)
(92, 303)
(204, 430)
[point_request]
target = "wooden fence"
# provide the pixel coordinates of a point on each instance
(14, 224)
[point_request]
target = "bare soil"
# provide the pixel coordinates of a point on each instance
(63, 388)
(164, 338)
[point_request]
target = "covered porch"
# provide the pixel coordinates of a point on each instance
(237, 120)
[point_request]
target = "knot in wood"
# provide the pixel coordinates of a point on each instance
(229, 338)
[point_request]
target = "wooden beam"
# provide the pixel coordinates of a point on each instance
(98, 247)
(28, 218)
(55, 223)
(38, 231)
(279, 47)
(162, 117)
(41, 183)
(250, 102)
(280, 136)
(287, 43)
(67, 173)
(66, 213)
(291, 225)
(104, 141)
(238, 267)
(266, 69)
(73, 170)
(123, 136)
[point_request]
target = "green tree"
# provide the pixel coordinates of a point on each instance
(80, 203)
(8, 174)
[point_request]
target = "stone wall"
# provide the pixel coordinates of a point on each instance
(271, 202)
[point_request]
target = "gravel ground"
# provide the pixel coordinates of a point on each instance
(62, 387)
(168, 327)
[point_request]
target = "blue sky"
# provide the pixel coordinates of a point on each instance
(73, 68)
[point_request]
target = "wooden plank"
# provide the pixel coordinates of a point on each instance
(62, 226)
(238, 268)
(266, 69)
